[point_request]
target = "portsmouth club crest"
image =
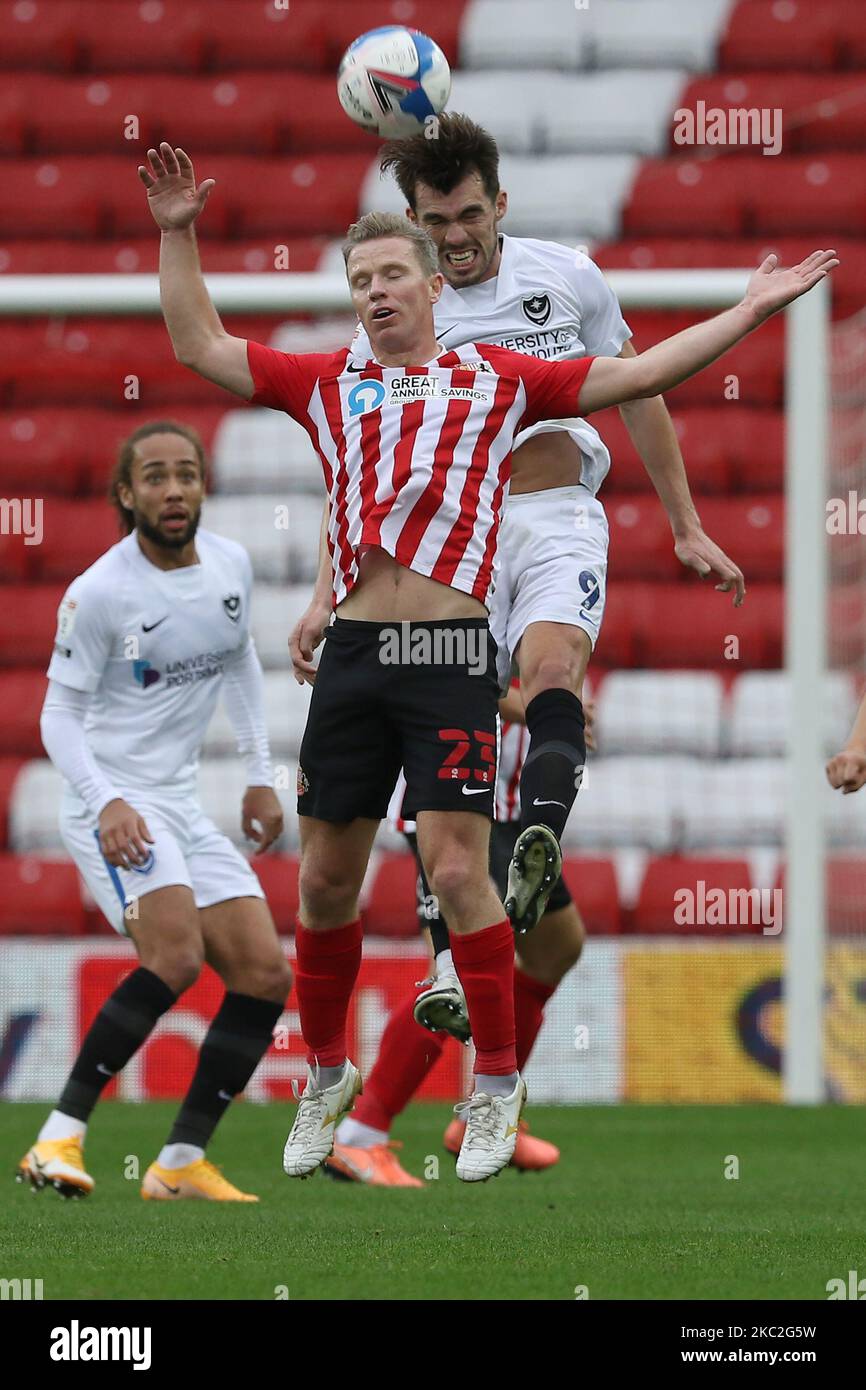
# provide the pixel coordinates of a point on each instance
(232, 606)
(537, 309)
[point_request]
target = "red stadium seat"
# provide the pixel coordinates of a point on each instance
(141, 254)
(258, 34)
(751, 530)
(617, 642)
(12, 121)
(21, 696)
(42, 195)
(76, 534)
(806, 194)
(29, 624)
(390, 908)
(640, 540)
(702, 440)
(671, 195)
(346, 19)
(845, 886)
(678, 887)
(592, 884)
(110, 427)
(795, 35)
(756, 440)
(847, 627)
(278, 875)
(85, 115)
(825, 111)
(311, 117)
(41, 35)
(227, 112)
(43, 451)
(39, 897)
(686, 625)
(127, 35)
(10, 770)
(294, 197)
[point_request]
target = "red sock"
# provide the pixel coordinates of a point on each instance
(530, 997)
(407, 1054)
(327, 968)
(485, 965)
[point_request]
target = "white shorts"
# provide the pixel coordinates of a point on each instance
(188, 849)
(551, 567)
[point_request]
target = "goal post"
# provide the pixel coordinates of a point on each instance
(806, 407)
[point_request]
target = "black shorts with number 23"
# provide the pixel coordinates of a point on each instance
(370, 715)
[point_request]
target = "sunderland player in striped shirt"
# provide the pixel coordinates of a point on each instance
(415, 444)
(147, 639)
(552, 302)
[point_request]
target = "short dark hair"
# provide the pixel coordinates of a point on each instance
(458, 147)
(122, 474)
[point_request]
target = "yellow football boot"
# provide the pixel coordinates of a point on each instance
(57, 1163)
(200, 1179)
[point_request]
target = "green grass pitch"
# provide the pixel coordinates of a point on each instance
(639, 1207)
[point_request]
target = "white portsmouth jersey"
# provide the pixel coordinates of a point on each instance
(548, 301)
(151, 647)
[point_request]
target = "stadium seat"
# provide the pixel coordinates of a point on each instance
(669, 194)
(278, 875)
(760, 719)
(846, 895)
(309, 196)
(256, 35)
(276, 609)
(221, 785)
(346, 19)
(39, 897)
(739, 803)
(40, 195)
(656, 33)
(389, 909)
(846, 627)
(617, 641)
(29, 624)
(40, 35)
(91, 115)
(660, 712)
(13, 131)
(592, 883)
(262, 451)
(629, 801)
(44, 451)
(819, 111)
(673, 899)
(76, 534)
(34, 805)
(626, 111)
(765, 34)
(754, 369)
(751, 530)
(684, 625)
(127, 35)
(544, 35)
(702, 440)
(806, 194)
(10, 771)
(105, 429)
(640, 540)
(488, 97)
(281, 534)
(21, 696)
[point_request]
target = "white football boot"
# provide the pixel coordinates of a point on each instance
(311, 1138)
(442, 1008)
(492, 1124)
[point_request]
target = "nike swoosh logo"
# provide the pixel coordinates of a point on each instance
(350, 368)
(100, 1066)
(536, 802)
(223, 1095)
(476, 791)
(146, 628)
(174, 1190)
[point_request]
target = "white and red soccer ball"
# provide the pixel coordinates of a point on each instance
(393, 80)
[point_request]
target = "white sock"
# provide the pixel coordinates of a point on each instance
(179, 1155)
(497, 1085)
(444, 965)
(60, 1126)
(328, 1076)
(358, 1135)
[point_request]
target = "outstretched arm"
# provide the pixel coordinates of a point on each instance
(197, 334)
(612, 380)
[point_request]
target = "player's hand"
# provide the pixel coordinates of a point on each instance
(172, 195)
(305, 637)
(695, 549)
(771, 288)
(123, 835)
(261, 817)
(847, 771)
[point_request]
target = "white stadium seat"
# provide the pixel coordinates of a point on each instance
(286, 706)
(488, 98)
(629, 801)
(761, 712)
(221, 789)
(737, 803)
(660, 712)
(543, 34)
(34, 808)
(280, 532)
(264, 451)
(276, 609)
(660, 33)
(623, 112)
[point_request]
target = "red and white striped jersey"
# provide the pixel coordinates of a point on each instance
(416, 459)
(513, 747)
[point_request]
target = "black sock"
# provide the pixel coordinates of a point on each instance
(428, 910)
(119, 1029)
(554, 764)
(235, 1044)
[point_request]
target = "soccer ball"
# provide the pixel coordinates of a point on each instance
(392, 80)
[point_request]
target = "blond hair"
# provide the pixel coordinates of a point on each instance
(373, 226)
